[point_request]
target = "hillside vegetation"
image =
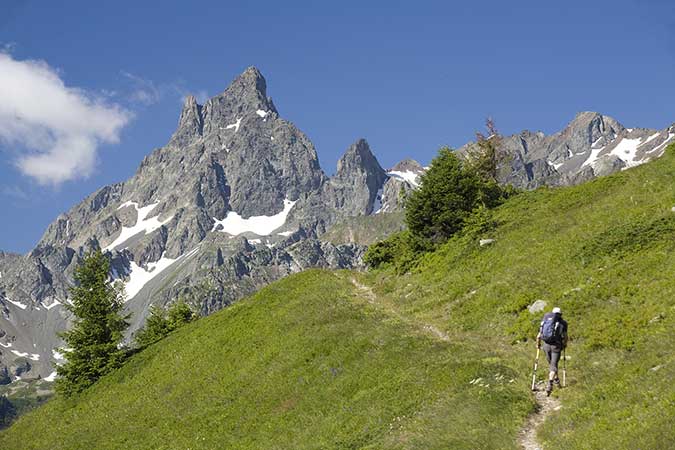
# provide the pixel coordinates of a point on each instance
(436, 358)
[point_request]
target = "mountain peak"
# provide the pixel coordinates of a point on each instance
(592, 119)
(359, 157)
(408, 165)
(358, 179)
(250, 80)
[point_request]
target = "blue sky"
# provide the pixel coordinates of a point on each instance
(408, 76)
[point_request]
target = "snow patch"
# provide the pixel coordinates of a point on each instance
(7, 345)
(409, 176)
(652, 137)
(19, 304)
(285, 233)
(255, 241)
(143, 224)
(234, 125)
(663, 145)
(32, 356)
(595, 152)
(50, 377)
(139, 276)
(262, 113)
(234, 224)
(627, 150)
(58, 355)
(52, 304)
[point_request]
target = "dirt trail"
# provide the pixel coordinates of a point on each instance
(527, 438)
(372, 299)
(547, 405)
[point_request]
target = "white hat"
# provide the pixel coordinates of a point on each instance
(556, 310)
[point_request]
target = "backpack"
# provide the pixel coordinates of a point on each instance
(552, 329)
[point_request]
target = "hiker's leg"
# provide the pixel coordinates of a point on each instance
(553, 365)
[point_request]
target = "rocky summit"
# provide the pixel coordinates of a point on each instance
(236, 199)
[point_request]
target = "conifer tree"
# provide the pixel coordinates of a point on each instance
(161, 322)
(451, 190)
(92, 345)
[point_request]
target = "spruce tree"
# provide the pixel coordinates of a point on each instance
(451, 190)
(161, 322)
(156, 327)
(92, 345)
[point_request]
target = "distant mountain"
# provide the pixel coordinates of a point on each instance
(591, 145)
(235, 200)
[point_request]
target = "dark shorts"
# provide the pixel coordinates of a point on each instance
(552, 353)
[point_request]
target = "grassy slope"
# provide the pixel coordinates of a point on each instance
(604, 252)
(302, 364)
(312, 362)
(365, 230)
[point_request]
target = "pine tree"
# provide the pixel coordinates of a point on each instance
(156, 327)
(92, 345)
(179, 314)
(160, 322)
(487, 155)
(451, 190)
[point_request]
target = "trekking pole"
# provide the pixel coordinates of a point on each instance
(534, 374)
(564, 368)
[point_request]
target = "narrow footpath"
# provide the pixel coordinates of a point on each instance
(424, 327)
(546, 406)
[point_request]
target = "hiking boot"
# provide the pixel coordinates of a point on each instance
(556, 381)
(549, 388)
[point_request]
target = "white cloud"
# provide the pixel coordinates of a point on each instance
(56, 128)
(144, 91)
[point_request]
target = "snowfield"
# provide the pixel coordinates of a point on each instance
(410, 177)
(143, 224)
(234, 224)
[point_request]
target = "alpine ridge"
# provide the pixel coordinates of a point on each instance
(591, 145)
(237, 199)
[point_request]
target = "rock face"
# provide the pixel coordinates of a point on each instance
(354, 188)
(591, 145)
(403, 178)
(234, 201)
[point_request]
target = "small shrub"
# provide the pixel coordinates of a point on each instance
(395, 251)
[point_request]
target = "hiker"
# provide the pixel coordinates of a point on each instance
(553, 331)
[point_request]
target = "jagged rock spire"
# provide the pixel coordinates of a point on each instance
(360, 159)
(358, 179)
(190, 124)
